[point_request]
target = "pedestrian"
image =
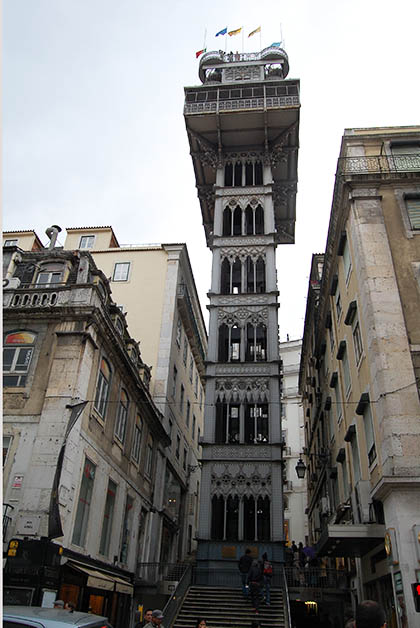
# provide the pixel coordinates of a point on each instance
(147, 618)
(58, 604)
(244, 565)
(69, 606)
(156, 621)
(370, 614)
(267, 575)
(200, 623)
(255, 580)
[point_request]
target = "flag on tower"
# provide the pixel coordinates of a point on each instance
(238, 30)
(200, 52)
(222, 32)
(257, 30)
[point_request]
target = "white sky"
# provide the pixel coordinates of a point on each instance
(93, 129)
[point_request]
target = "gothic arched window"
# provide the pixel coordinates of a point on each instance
(256, 343)
(217, 517)
(228, 175)
(227, 222)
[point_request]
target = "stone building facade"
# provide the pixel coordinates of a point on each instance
(155, 289)
(84, 443)
(360, 370)
(242, 124)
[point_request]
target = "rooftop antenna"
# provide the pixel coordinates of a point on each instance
(52, 232)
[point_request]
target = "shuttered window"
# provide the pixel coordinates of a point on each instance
(413, 210)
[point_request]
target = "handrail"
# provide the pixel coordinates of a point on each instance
(378, 164)
(286, 598)
(175, 601)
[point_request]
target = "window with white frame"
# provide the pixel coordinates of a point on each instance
(346, 372)
(17, 355)
(138, 430)
(108, 517)
(338, 305)
(187, 420)
(87, 242)
(10, 242)
(102, 388)
(121, 271)
(83, 504)
(122, 414)
(191, 369)
(356, 458)
(50, 274)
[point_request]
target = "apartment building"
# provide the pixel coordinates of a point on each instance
(84, 445)
(360, 371)
(155, 290)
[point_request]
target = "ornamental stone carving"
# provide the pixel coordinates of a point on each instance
(248, 369)
(243, 202)
(242, 316)
(242, 479)
(206, 193)
(227, 300)
(243, 389)
(250, 241)
(243, 156)
(282, 191)
(232, 253)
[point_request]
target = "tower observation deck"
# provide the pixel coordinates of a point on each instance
(243, 129)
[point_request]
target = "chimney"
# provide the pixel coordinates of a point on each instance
(52, 232)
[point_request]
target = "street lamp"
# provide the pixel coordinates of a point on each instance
(300, 469)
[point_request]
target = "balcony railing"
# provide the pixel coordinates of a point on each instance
(316, 577)
(53, 295)
(378, 164)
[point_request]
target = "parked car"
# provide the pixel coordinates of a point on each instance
(39, 617)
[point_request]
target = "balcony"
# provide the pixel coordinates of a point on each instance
(378, 164)
(51, 296)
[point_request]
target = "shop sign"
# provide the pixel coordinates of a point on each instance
(28, 525)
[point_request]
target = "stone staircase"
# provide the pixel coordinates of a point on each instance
(224, 607)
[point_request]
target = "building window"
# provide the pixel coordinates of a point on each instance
(356, 459)
(87, 242)
(10, 242)
(196, 385)
(121, 271)
(185, 351)
(413, 210)
(229, 343)
(256, 423)
(201, 398)
(17, 355)
(138, 429)
(198, 436)
(174, 378)
(338, 306)
(370, 435)
(122, 413)
(256, 343)
(178, 446)
(108, 516)
(149, 457)
(227, 423)
(7, 441)
(50, 274)
(181, 399)
(191, 369)
(127, 527)
(194, 421)
(184, 460)
(346, 372)
(178, 332)
(357, 341)
(83, 505)
(102, 388)
(187, 420)
(346, 261)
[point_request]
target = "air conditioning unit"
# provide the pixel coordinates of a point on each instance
(11, 284)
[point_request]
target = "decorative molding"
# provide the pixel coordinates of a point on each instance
(246, 299)
(232, 253)
(243, 201)
(282, 191)
(243, 240)
(253, 390)
(242, 316)
(248, 369)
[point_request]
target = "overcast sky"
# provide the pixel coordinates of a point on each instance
(93, 128)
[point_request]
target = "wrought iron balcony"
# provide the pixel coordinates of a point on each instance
(378, 164)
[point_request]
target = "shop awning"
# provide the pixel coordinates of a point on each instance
(350, 539)
(102, 580)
